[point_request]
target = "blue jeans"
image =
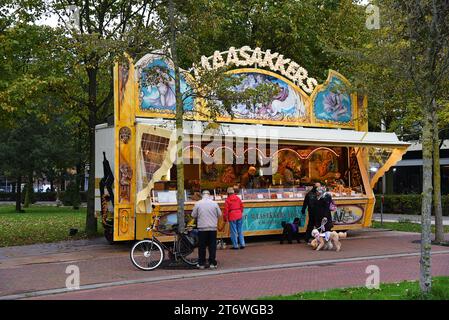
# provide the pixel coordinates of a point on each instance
(236, 227)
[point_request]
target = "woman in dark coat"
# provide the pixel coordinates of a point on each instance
(323, 210)
(310, 202)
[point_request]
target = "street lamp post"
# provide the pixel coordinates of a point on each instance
(382, 210)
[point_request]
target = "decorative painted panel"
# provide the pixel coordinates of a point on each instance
(157, 88)
(347, 214)
(326, 105)
(332, 103)
(124, 114)
(287, 105)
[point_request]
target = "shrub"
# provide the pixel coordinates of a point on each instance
(71, 196)
(7, 196)
(45, 196)
(28, 191)
(39, 196)
(406, 204)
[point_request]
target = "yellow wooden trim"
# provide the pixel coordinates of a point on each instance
(143, 219)
(355, 104)
(165, 238)
(124, 115)
(361, 155)
(347, 227)
(362, 123)
(116, 150)
(264, 203)
(394, 158)
(308, 121)
(201, 103)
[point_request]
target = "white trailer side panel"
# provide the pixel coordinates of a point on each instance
(104, 142)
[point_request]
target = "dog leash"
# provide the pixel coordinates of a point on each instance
(323, 223)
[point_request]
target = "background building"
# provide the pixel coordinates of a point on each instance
(406, 176)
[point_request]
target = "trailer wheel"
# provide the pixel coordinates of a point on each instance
(109, 235)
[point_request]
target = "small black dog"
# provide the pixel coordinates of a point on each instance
(290, 231)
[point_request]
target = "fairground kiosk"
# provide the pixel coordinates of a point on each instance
(271, 154)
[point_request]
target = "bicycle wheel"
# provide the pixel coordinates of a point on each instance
(186, 251)
(147, 255)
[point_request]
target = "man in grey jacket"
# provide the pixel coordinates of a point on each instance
(207, 213)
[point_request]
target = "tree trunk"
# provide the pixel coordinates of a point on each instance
(179, 123)
(77, 200)
(91, 220)
(29, 190)
(19, 194)
(425, 261)
(437, 209)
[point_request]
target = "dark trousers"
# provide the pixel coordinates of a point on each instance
(310, 227)
(207, 239)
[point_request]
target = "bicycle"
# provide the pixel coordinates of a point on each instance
(148, 254)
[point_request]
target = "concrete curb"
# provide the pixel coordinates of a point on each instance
(210, 273)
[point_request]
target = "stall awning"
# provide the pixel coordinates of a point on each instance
(310, 136)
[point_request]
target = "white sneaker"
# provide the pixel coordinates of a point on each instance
(213, 266)
(201, 267)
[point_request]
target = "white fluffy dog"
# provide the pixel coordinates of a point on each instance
(328, 240)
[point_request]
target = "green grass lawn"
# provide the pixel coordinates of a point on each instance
(404, 226)
(41, 224)
(406, 290)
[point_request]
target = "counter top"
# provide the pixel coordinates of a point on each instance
(336, 199)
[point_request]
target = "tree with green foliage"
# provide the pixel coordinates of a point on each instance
(213, 86)
(102, 31)
(419, 41)
(307, 31)
(25, 76)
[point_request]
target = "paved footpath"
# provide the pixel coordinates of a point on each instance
(255, 284)
(263, 268)
(389, 217)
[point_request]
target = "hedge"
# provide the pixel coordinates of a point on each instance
(406, 204)
(393, 203)
(40, 196)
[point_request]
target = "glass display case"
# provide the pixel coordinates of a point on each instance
(287, 174)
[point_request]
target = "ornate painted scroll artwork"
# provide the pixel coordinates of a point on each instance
(123, 74)
(299, 101)
(286, 105)
(126, 174)
(323, 165)
(332, 104)
(157, 89)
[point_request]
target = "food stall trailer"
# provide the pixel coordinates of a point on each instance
(271, 154)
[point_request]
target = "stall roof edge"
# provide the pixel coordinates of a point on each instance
(284, 133)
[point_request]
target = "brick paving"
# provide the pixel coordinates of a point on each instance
(252, 285)
(24, 270)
